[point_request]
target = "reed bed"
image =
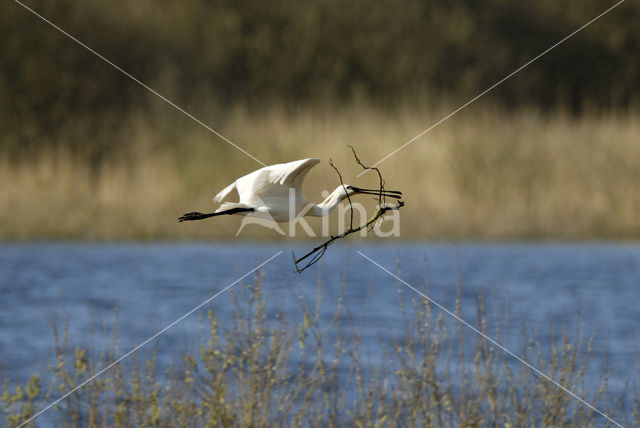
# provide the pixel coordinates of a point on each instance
(267, 367)
(484, 174)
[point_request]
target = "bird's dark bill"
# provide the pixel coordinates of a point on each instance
(376, 192)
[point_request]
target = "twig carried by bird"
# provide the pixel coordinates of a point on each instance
(316, 253)
(274, 193)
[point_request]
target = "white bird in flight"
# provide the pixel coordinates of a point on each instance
(266, 193)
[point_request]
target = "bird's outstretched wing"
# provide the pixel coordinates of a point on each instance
(291, 174)
(272, 181)
(224, 192)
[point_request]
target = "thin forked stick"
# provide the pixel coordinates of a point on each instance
(316, 254)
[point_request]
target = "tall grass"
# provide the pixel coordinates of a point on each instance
(267, 367)
(485, 173)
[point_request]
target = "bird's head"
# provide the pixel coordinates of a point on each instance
(341, 192)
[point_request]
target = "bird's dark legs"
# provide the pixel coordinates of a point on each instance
(201, 216)
(195, 216)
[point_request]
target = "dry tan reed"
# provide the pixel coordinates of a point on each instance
(483, 174)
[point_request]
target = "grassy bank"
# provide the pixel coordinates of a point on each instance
(485, 174)
(271, 368)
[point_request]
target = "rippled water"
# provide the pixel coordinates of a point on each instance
(154, 284)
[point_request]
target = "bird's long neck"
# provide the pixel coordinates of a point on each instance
(329, 204)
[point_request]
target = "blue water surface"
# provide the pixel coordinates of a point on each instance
(595, 285)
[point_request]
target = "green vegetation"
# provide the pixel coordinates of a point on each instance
(266, 368)
(224, 52)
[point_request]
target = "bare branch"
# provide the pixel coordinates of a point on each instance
(313, 256)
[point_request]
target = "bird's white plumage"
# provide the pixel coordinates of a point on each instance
(269, 181)
(225, 192)
(269, 186)
(275, 193)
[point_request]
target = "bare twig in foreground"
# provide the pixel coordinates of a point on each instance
(313, 256)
